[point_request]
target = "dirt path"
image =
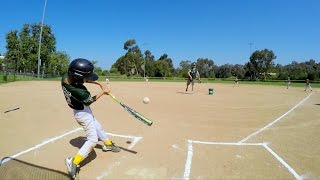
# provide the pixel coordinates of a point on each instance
(184, 140)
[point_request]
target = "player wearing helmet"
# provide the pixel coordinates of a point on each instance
(192, 75)
(79, 99)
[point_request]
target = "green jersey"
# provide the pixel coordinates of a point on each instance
(77, 95)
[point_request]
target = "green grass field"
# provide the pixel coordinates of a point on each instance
(12, 78)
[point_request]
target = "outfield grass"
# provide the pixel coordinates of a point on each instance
(11, 78)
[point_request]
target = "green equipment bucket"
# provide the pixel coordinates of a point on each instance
(210, 91)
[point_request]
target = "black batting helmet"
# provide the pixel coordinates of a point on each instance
(82, 69)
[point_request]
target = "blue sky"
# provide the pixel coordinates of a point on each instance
(220, 30)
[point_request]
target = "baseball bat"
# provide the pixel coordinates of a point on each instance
(133, 112)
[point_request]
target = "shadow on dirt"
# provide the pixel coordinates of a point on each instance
(78, 142)
(11, 168)
(189, 93)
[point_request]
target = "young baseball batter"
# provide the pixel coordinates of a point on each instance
(192, 75)
(79, 99)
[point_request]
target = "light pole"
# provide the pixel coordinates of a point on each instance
(40, 37)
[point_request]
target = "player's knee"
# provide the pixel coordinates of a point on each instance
(93, 143)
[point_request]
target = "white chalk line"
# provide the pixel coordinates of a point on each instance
(39, 145)
(61, 136)
(291, 170)
(241, 143)
(190, 152)
(123, 136)
(227, 143)
(187, 169)
(273, 122)
(112, 166)
(135, 141)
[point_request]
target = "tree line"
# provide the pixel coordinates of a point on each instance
(22, 51)
(22, 57)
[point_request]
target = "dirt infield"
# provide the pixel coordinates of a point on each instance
(246, 132)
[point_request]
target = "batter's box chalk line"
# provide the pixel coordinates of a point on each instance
(187, 169)
(135, 140)
(117, 163)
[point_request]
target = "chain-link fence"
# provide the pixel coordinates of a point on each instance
(10, 77)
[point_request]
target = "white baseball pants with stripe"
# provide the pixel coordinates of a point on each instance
(92, 128)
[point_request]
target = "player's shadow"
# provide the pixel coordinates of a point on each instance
(317, 104)
(78, 142)
(185, 92)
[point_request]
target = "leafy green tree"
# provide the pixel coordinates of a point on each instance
(162, 69)
(114, 70)
(58, 63)
(300, 71)
(129, 44)
(13, 50)
(184, 68)
(105, 73)
(312, 69)
(280, 71)
(238, 71)
(224, 71)
(250, 71)
(297, 71)
(98, 70)
(166, 58)
(262, 61)
(23, 55)
(149, 64)
(48, 43)
(205, 67)
(120, 66)
(133, 57)
(25, 63)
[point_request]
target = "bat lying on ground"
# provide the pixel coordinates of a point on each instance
(133, 112)
(11, 110)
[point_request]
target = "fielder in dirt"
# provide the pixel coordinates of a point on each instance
(192, 75)
(79, 99)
